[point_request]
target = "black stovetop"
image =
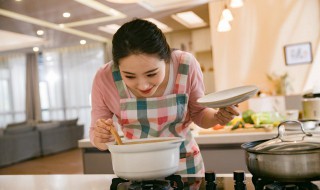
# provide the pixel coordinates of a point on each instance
(221, 182)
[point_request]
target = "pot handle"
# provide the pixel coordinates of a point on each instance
(282, 130)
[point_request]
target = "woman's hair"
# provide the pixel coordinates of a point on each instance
(139, 37)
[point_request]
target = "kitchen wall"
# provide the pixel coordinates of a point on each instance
(255, 45)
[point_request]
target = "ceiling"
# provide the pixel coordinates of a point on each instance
(28, 16)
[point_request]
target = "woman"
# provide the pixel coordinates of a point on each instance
(153, 92)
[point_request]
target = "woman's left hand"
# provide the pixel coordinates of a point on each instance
(224, 115)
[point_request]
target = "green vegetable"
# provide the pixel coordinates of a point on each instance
(266, 118)
(239, 124)
(246, 116)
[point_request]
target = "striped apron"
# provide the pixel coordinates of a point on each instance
(161, 117)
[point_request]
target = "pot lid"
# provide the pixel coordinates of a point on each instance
(291, 142)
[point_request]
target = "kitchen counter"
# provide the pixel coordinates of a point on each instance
(82, 182)
(214, 139)
(221, 153)
(55, 182)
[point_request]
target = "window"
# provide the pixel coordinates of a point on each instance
(65, 82)
(12, 89)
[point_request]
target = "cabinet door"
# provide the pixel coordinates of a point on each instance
(201, 40)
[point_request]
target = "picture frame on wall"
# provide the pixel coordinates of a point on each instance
(299, 53)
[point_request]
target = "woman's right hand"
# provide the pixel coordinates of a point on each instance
(102, 133)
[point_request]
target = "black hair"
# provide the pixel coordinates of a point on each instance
(138, 37)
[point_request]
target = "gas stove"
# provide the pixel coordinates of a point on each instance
(238, 181)
(267, 184)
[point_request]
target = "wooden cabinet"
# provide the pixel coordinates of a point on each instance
(201, 40)
(198, 40)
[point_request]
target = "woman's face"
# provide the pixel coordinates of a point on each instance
(143, 74)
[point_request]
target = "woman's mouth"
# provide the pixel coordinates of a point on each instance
(146, 91)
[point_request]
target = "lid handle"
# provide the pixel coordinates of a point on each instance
(282, 130)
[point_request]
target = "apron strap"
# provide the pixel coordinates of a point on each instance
(182, 76)
(122, 88)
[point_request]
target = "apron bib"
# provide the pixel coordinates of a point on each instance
(161, 117)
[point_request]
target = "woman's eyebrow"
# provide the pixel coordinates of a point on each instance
(126, 72)
(150, 71)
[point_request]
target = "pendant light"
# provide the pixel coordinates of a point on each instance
(226, 14)
(224, 25)
(225, 18)
(236, 3)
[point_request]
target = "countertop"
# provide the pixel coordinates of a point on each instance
(55, 182)
(214, 139)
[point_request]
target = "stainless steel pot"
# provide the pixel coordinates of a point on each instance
(148, 160)
(287, 158)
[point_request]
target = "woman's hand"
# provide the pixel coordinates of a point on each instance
(102, 133)
(212, 117)
(224, 115)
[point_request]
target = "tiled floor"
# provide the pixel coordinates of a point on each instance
(69, 162)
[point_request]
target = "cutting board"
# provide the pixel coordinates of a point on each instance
(227, 130)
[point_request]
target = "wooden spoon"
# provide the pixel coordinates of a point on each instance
(114, 132)
(116, 135)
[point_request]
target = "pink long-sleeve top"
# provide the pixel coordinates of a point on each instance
(105, 98)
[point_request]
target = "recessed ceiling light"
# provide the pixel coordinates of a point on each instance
(18, 0)
(162, 26)
(40, 32)
(82, 42)
(35, 49)
(111, 28)
(189, 19)
(66, 15)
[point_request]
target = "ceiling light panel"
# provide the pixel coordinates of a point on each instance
(160, 5)
(123, 1)
(51, 10)
(100, 7)
(113, 14)
(59, 27)
(163, 27)
(189, 19)
(14, 40)
(111, 28)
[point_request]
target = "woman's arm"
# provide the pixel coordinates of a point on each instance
(203, 116)
(101, 115)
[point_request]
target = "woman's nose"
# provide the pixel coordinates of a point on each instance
(143, 85)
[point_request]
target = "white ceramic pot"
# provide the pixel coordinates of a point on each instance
(311, 108)
(147, 161)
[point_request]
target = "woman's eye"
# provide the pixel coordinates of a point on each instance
(151, 75)
(129, 77)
